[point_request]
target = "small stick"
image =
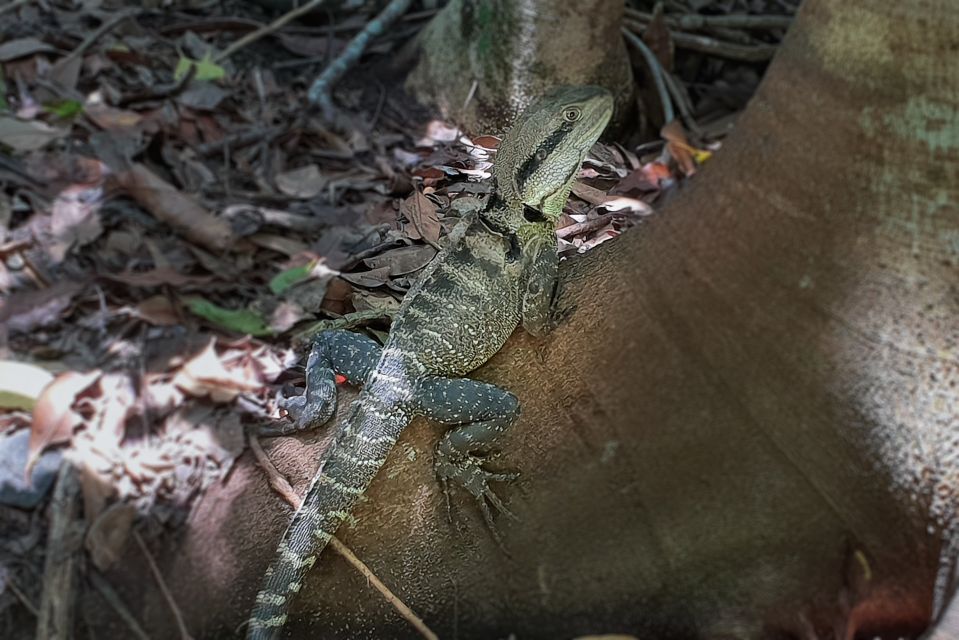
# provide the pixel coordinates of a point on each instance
(656, 70)
(265, 30)
(733, 21)
(281, 486)
(163, 588)
(713, 47)
(113, 599)
(586, 226)
(104, 28)
(319, 93)
(22, 597)
(55, 619)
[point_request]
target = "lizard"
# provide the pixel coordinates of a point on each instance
(498, 270)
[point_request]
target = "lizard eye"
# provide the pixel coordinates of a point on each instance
(572, 114)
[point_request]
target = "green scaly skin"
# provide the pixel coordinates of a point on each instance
(498, 271)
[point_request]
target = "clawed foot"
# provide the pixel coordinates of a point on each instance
(468, 472)
(306, 411)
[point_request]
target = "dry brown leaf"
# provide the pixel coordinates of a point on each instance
(158, 310)
(108, 534)
(660, 41)
(111, 118)
(53, 416)
(421, 212)
(27, 310)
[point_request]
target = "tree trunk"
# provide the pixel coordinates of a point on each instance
(483, 61)
(747, 427)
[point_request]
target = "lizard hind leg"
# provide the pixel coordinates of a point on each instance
(478, 414)
(351, 355)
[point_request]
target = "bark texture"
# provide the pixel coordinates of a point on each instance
(513, 51)
(747, 428)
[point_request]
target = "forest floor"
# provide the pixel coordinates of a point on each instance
(173, 229)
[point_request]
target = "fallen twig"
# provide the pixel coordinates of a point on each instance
(711, 46)
(274, 26)
(113, 599)
(176, 209)
(104, 28)
(281, 486)
(55, 618)
(319, 93)
(184, 634)
(22, 597)
(693, 21)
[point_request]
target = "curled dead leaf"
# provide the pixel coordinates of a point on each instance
(54, 418)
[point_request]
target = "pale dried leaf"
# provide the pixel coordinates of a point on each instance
(53, 416)
(304, 183)
(206, 375)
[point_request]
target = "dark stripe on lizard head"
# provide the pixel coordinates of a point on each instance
(540, 155)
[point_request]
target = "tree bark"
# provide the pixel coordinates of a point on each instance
(747, 427)
(481, 62)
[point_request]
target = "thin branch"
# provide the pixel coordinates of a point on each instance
(102, 30)
(713, 47)
(184, 634)
(281, 486)
(266, 30)
(692, 22)
(113, 599)
(657, 72)
(319, 93)
(22, 597)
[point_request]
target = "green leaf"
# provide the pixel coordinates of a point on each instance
(65, 109)
(286, 279)
(206, 69)
(239, 320)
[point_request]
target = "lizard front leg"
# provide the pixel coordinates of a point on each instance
(478, 414)
(336, 351)
(540, 275)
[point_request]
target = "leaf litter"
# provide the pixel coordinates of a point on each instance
(168, 240)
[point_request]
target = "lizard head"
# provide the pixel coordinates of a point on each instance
(539, 158)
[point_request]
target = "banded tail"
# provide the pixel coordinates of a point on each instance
(376, 420)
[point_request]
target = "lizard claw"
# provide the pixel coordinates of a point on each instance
(468, 472)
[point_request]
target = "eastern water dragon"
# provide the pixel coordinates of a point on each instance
(498, 270)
